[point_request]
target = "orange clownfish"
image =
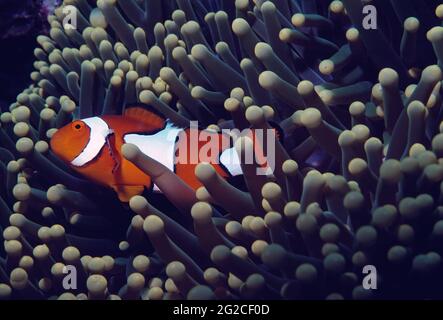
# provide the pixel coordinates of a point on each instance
(92, 148)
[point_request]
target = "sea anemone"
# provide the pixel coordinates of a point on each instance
(358, 170)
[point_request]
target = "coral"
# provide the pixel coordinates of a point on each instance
(358, 177)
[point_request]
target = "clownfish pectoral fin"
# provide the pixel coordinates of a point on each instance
(147, 115)
(125, 193)
(112, 153)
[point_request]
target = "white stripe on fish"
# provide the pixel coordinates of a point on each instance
(99, 132)
(230, 160)
(159, 146)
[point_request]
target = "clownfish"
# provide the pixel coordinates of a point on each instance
(92, 147)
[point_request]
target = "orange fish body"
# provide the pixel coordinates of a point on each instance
(92, 148)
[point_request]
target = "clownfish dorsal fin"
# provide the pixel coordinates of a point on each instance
(150, 117)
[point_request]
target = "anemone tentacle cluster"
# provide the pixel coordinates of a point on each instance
(358, 177)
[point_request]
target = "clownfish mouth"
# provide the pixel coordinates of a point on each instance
(99, 137)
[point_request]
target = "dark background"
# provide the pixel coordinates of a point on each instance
(20, 23)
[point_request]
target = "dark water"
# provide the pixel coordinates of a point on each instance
(20, 23)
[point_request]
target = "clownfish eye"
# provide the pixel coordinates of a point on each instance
(78, 125)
